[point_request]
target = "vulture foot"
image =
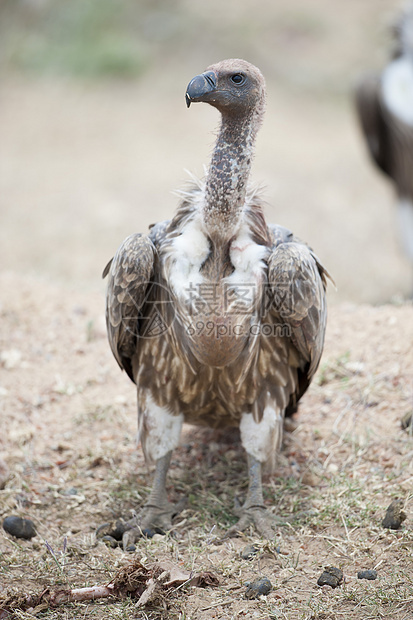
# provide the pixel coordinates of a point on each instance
(156, 516)
(257, 516)
(253, 512)
(152, 520)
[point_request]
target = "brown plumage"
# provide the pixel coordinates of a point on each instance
(216, 316)
(384, 104)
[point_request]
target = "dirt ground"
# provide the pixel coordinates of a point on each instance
(85, 163)
(67, 436)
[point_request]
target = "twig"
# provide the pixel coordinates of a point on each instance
(218, 604)
(47, 599)
(146, 584)
(345, 526)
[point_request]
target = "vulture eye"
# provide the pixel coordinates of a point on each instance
(238, 79)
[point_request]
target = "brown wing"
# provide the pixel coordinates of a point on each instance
(390, 140)
(298, 283)
(373, 124)
(130, 272)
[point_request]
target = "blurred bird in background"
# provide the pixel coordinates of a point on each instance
(384, 104)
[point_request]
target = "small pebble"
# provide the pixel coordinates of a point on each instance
(131, 548)
(22, 501)
(258, 587)
(19, 527)
(367, 574)
(331, 576)
(394, 515)
(70, 491)
(249, 552)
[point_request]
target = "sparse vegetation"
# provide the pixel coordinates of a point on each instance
(91, 38)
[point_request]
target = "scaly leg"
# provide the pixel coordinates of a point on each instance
(253, 512)
(158, 511)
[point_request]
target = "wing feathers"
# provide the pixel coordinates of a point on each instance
(298, 280)
(367, 98)
(389, 138)
(130, 272)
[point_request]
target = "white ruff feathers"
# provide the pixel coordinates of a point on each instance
(191, 249)
(247, 258)
(189, 252)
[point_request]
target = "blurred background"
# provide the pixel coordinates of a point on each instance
(95, 134)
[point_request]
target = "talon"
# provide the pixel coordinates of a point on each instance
(254, 512)
(129, 538)
(152, 520)
(115, 529)
(180, 506)
(237, 507)
(258, 516)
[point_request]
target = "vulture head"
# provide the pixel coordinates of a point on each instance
(235, 87)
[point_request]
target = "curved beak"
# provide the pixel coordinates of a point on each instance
(200, 87)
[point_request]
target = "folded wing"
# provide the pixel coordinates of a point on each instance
(373, 125)
(298, 282)
(129, 277)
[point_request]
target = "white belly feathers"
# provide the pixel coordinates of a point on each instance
(397, 89)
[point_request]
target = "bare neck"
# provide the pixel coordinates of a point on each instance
(227, 178)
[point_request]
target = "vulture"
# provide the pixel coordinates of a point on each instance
(216, 316)
(384, 103)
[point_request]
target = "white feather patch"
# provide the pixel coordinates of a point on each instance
(247, 258)
(262, 439)
(163, 430)
(397, 88)
(189, 252)
(405, 216)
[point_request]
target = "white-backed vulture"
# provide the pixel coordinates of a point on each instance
(217, 316)
(384, 103)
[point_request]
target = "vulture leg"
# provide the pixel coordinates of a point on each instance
(158, 511)
(253, 512)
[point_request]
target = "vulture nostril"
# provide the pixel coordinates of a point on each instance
(210, 78)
